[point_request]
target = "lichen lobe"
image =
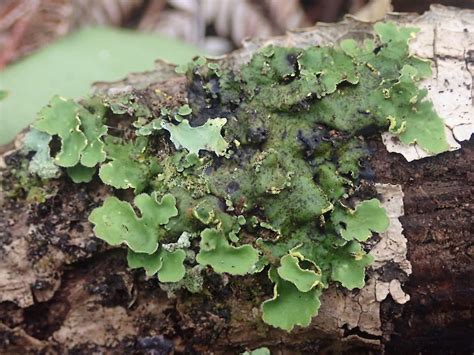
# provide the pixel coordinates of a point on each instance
(261, 168)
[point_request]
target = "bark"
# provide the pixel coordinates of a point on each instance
(62, 289)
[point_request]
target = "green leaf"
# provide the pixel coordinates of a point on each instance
(289, 306)
(61, 118)
(348, 265)
(368, 216)
(206, 137)
(290, 270)
(116, 222)
(222, 257)
(41, 163)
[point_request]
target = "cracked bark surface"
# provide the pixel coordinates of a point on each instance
(61, 289)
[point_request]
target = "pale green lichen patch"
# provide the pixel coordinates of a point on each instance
(194, 139)
(259, 351)
(61, 118)
(93, 129)
(184, 110)
(303, 279)
(289, 306)
(417, 122)
(150, 262)
(127, 104)
(41, 163)
(173, 269)
(216, 252)
(126, 166)
(348, 265)
(256, 172)
(79, 173)
(359, 223)
(411, 116)
(167, 264)
(116, 222)
(79, 130)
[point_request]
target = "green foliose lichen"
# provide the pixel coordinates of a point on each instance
(258, 172)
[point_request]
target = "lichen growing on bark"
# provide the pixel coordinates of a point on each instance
(259, 170)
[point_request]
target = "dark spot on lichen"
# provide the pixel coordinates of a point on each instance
(257, 135)
(232, 187)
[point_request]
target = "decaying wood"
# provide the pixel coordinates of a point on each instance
(62, 289)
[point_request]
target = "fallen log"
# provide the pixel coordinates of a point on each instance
(62, 289)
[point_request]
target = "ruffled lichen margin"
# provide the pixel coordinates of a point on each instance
(260, 171)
